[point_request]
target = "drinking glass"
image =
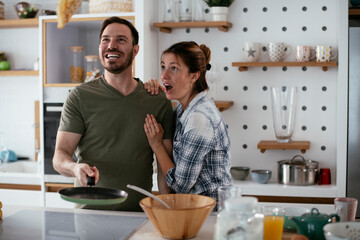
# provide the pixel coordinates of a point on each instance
(273, 222)
(284, 103)
(226, 192)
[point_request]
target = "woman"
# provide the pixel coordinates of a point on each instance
(201, 144)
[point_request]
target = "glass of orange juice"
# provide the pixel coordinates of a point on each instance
(273, 222)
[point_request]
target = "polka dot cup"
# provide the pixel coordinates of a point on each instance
(325, 53)
(304, 53)
(278, 51)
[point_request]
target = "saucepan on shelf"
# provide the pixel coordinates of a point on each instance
(298, 171)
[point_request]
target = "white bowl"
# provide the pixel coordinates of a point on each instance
(342, 231)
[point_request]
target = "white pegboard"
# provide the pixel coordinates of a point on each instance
(307, 22)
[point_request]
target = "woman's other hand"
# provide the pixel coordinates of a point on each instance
(153, 86)
(154, 131)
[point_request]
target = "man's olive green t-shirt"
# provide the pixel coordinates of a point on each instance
(113, 137)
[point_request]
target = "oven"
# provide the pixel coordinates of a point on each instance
(52, 114)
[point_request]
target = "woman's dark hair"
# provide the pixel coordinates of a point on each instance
(196, 57)
(110, 20)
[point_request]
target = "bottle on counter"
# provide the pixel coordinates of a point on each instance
(239, 220)
(77, 64)
(2, 56)
(92, 67)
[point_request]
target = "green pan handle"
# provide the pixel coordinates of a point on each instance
(90, 181)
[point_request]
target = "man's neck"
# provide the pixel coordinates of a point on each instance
(123, 82)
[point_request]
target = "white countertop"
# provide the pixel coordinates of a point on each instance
(146, 231)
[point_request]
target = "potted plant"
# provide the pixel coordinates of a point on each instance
(219, 9)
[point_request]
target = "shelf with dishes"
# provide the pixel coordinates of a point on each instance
(221, 105)
(19, 73)
(243, 66)
(19, 23)
(296, 145)
(167, 27)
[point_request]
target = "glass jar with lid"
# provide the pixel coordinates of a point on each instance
(92, 67)
(239, 220)
(77, 64)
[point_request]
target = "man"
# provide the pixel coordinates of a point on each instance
(103, 121)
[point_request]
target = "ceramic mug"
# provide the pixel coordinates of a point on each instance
(325, 53)
(346, 208)
(251, 51)
(304, 53)
(278, 51)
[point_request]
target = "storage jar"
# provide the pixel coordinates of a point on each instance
(77, 64)
(110, 6)
(239, 220)
(92, 67)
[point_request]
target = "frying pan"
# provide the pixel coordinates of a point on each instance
(93, 195)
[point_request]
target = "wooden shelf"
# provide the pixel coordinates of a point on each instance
(167, 27)
(221, 105)
(354, 11)
(300, 145)
(19, 23)
(243, 66)
(61, 84)
(19, 73)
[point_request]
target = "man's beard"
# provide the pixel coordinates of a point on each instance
(112, 68)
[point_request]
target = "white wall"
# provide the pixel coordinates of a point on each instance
(322, 20)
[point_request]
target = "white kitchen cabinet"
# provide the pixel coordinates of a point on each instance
(54, 200)
(21, 197)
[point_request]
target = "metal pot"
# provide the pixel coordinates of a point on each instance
(298, 171)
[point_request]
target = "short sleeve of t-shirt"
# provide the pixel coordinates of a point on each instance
(71, 117)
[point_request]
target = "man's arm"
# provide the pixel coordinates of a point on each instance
(162, 185)
(66, 142)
